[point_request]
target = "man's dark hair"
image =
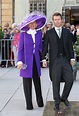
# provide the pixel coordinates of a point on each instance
(56, 14)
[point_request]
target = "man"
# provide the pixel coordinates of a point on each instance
(61, 59)
(73, 33)
(49, 25)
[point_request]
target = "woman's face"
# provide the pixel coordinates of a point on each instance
(17, 30)
(32, 25)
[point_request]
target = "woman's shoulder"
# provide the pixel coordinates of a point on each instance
(39, 31)
(22, 32)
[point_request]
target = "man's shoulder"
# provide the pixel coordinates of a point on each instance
(51, 30)
(65, 29)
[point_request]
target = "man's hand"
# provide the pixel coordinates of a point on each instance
(46, 56)
(44, 64)
(19, 66)
(72, 62)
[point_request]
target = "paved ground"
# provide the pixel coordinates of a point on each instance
(12, 101)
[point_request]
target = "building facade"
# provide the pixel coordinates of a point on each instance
(15, 10)
(70, 11)
(47, 6)
(6, 11)
(0, 11)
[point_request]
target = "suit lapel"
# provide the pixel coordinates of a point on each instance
(63, 36)
(54, 35)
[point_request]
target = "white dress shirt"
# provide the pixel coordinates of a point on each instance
(32, 32)
(57, 31)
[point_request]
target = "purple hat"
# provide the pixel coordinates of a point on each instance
(37, 16)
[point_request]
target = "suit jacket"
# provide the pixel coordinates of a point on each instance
(25, 52)
(51, 39)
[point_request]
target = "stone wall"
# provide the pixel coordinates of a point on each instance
(6, 11)
(0, 11)
(54, 6)
(21, 11)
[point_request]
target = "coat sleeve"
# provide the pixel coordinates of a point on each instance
(21, 47)
(45, 46)
(70, 45)
(40, 48)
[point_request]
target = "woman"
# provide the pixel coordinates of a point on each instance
(15, 44)
(30, 47)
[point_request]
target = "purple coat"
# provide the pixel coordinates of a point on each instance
(29, 45)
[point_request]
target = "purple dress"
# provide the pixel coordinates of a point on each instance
(25, 52)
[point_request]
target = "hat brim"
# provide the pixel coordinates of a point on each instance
(40, 20)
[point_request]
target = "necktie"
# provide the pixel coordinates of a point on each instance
(59, 33)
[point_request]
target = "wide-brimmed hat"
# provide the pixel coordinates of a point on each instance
(37, 16)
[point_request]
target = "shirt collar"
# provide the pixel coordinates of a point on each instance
(58, 28)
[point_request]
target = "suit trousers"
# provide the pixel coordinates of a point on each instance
(27, 85)
(61, 68)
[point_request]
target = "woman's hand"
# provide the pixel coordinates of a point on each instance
(19, 66)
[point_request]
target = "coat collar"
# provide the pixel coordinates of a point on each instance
(32, 32)
(62, 35)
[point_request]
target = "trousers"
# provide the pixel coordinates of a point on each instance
(61, 68)
(27, 85)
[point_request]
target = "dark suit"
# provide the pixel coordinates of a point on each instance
(74, 38)
(59, 65)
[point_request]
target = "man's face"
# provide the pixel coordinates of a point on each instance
(32, 25)
(49, 26)
(57, 21)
